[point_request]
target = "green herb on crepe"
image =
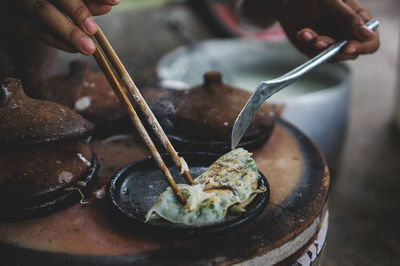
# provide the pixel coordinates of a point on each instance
(228, 185)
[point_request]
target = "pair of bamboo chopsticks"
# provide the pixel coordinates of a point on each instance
(102, 42)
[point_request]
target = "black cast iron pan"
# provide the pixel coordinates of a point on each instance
(250, 143)
(135, 188)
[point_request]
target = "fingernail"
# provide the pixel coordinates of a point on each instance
(321, 44)
(116, 1)
(351, 50)
(90, 25)
(365, 32)
(308, 36)
(87, 44)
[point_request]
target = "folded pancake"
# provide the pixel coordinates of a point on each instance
(228, 186)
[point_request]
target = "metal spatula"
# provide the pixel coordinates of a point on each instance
(268, 88)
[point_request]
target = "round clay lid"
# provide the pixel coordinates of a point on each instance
(24, 120)
(28, 172)
(208, 111)
(85, 91)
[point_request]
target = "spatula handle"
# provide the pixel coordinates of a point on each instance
(323, 56)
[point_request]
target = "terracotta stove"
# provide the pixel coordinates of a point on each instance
(291, 228)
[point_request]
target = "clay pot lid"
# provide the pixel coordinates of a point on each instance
(30, 172)
(208, 111)
(24, 120)
(85, 91)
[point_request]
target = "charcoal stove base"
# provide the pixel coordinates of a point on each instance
(90, 235)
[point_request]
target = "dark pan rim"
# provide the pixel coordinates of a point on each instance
(167, 228)
(219, 145)
(51, 202)
(244, 141)
(246, 138)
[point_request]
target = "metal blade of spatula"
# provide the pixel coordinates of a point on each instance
(268, 88)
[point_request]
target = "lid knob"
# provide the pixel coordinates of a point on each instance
(212, 78)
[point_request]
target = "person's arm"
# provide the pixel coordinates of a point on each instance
(313, 25)
(50, 21)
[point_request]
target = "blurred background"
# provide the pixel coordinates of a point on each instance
(350, 110)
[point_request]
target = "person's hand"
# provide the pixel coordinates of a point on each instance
(313, 25)
(64, 24)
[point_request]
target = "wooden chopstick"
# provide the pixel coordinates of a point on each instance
(119, 91)
(137, 96)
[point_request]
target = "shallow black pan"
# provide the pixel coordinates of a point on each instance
(249, 143)
(49, 203)
(135, 188)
